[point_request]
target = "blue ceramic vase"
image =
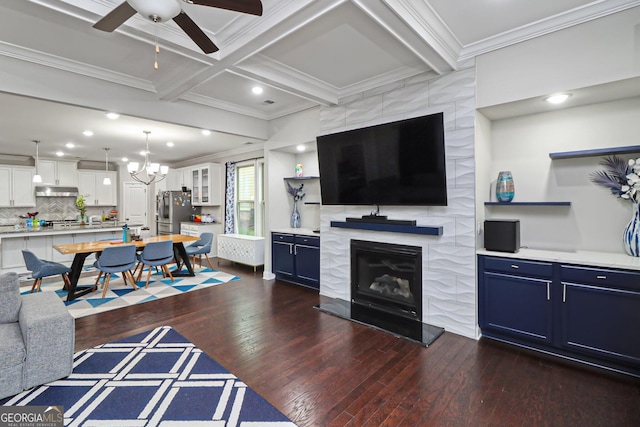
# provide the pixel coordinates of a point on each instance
(631, 235)
(504, 187)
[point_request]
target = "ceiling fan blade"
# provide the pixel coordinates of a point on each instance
(196, 34)
(253, 7)
(115, 18)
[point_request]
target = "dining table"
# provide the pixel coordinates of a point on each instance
(83, 249)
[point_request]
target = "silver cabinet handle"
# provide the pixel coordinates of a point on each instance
(564, 292)
(290, 249)
(515, 266)
(295, 249)
(601, 277)
(548, 291)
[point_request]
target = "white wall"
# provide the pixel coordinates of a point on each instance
(449, 281)
(596, 52)
(596, 219)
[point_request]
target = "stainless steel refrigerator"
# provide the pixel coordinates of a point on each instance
(174, 207)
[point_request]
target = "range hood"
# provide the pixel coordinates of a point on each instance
(52, 191)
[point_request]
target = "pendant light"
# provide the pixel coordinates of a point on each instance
(107, 180)
(37, 178)
(149, 172)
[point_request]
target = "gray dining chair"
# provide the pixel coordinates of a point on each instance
(116, 259)
(199, 248)
(40, 269)
(156, 254)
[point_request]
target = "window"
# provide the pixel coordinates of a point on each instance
(249, 198)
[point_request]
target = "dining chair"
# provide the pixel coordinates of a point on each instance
(156, 254)
(116, 259)
(199, 248)
(40, 268)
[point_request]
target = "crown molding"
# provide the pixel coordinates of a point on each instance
(68, 65)
(546, 26)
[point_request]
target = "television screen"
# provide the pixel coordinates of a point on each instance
(397, 163)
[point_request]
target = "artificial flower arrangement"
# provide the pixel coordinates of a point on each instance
(620, 176)
(81, 206)
(297, 193)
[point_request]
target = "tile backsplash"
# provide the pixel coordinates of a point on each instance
(49, 208)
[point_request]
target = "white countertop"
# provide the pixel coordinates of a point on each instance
(299, 231)
(60, 229)
(598, 259)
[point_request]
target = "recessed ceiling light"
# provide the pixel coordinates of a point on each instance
(206, 132)
(125, 159)
(557, 98)
(69, 145)
(143, 153)
(87, 133)
(301, 147)
(257, 90)
(59, 153)
(113, 116)
(170, 144)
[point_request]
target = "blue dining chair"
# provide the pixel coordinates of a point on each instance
(116, 259)
(201, 247)
(156, 254)
(40, 269)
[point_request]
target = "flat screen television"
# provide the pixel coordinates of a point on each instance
(398, 163)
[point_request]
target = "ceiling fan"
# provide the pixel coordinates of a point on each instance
(163, 10)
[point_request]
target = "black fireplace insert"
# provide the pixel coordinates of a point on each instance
(387, 277)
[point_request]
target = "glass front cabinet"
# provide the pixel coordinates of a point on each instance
(206, 181)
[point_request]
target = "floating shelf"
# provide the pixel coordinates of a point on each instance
(391, 228)
(311, 203)
(300, 178)
(595, 152)
(527, 203)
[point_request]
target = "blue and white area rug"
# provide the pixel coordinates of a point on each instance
(118, 295)
(157, 378)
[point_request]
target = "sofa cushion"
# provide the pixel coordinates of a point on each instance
(12, 351)
(9, 298)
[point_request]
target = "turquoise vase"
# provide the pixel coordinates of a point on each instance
(631, 235)
(504, 187)
(295, 216)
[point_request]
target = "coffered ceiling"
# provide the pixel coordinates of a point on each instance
(58, 75)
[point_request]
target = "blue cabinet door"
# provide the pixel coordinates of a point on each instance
(516, 306)
(308, 264)
(282, 259)
(601, 321)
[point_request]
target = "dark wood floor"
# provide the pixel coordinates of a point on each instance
(321, 370)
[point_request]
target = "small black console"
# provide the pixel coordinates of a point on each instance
(382, 219)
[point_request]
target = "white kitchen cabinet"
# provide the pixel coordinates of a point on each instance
(12, 250)
(16, 186)
(62, 173)
(206, 184)
(195, 229)
(95, 193)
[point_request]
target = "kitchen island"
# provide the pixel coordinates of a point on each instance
(40, 240)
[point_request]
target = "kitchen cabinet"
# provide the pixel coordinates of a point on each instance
(206, 181)
(12, 250)
(296, 258)
(578, 312)
(195, 229)
(16, 186)
(179, 178)
(61, 173)
(94, 191)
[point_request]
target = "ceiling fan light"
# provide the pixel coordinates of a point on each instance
(157, 10)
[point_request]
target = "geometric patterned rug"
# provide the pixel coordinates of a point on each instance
(156, 378)
(118, 295)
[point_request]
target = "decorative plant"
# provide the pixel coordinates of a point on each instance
(297, 193)
(620, 176)
(81, 206)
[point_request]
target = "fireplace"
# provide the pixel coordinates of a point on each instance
(387, 277)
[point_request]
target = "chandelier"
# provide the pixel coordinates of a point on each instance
(149, 172)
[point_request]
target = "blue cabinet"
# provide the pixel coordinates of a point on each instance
(576, 312)
(296, 259)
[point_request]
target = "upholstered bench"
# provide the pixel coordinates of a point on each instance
(37, 336)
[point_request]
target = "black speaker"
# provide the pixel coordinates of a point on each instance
(502, 235)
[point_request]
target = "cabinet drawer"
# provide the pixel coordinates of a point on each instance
(279, 237)
(600, 276)
(307, 240)
(518, 266)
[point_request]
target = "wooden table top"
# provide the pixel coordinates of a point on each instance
(90, 247)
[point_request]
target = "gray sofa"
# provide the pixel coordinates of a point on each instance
(37, 336)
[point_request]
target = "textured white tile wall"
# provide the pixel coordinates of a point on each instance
(448, 276)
